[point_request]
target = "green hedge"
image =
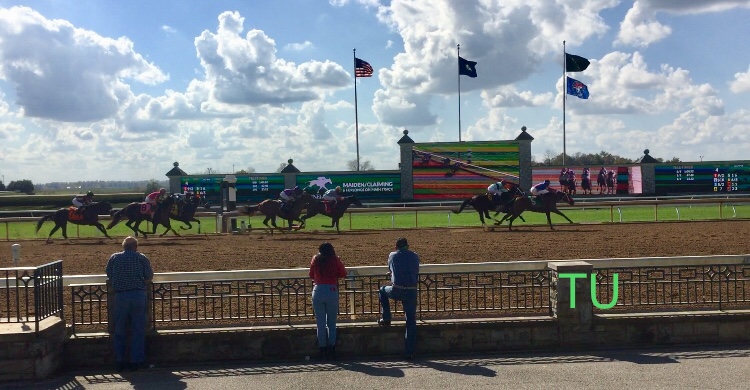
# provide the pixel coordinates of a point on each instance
(55, 201)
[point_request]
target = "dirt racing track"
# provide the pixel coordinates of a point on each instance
(435, 246)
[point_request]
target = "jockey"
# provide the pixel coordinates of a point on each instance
(333, 196)
(571, 175)
(540, 189)
(496, 190)
(82, 200)
(586, 175)
(153, 198)
(288, 196)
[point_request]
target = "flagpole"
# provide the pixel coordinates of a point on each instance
(458, 54)
(565, 96)
(356, 117)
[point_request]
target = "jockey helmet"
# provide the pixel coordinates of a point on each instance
(162, 191)
(90, 194)
(338, 188)
(546, 181)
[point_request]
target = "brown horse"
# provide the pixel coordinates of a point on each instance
(586, 185)
(89, 216)
(137, 212)
(183, 210)
(549, 205)
(318, 207)
(483, 205)
(271, 208)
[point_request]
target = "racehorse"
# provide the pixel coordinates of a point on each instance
(183, 210)
(317, 207)
(611, 182)
(601, 181)
(483, 205)
(271, 208)
(549, 205)
(89, 216)
(571, 185)
(138, 212)
(586, 185)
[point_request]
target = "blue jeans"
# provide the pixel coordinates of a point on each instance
(408, 299)
(130, 309)
(325, 298)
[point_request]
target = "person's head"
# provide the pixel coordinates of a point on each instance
(130, 243)
(162, 191)
(90, 194)
(546, 181)
(338, 188)
(326, 250)
(401, 243)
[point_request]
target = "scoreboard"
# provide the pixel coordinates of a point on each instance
(250, 188)
(702, 178)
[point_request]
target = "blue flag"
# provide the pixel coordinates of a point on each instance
(467, 68)
(577, 88)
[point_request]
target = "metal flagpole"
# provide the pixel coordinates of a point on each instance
(356, 117)
(458, 54)
(565, 94)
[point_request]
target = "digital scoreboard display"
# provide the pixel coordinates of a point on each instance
(702, 178)
(250, 188)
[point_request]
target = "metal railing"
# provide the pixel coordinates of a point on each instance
(287, 300)
(31, 294)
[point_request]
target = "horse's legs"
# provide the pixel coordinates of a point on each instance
(558, 212)
(64, 228)
(54, 229)
(102, 229)
(549, 221)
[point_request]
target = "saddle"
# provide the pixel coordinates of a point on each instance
(328, 205)
(147, 208)
(73, 214)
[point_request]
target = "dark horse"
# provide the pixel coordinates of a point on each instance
(549, 205)
(318, 207)
(601, 181)
(137, 212)
(483, 205)
(271, 208)
(89, 216)
(183, 210)
(586, 185)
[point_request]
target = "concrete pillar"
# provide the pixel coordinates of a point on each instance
(574, 316)
(524, 164)
(406, 145)
(648, 178)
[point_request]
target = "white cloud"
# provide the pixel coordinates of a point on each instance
(168, 29)
(741, 82)
(49, 62)
(640, 27)
(306, 45)
(245, 70)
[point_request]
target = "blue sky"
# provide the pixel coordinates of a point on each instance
(113, 90)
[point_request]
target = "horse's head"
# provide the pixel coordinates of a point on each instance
(355, 201)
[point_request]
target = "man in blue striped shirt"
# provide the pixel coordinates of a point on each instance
(403, 266)
(128, 271)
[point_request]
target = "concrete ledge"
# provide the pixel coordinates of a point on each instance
(26, 355)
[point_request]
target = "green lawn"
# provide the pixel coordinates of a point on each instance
(411, 219)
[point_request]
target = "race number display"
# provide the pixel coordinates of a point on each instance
(702, 178)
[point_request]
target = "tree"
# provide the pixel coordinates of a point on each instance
(245, 171)
(2, 186)
(281, 167)
(152, 186)
(365, 166)
(25, 186)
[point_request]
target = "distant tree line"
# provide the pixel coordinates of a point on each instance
(592, 159)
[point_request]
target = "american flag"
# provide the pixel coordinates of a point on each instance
(362, 68)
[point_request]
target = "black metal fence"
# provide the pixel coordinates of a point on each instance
(31, 294)
(695, 287)
(288, 300)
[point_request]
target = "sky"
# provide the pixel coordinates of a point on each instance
(119, 90)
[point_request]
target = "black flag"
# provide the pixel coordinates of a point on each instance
(574, 63)
(467, 68)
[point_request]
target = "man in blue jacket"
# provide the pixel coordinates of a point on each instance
(403, 266)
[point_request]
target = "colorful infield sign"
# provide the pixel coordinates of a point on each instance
(626, 179)
(459, 170)
(378, 185)
(250, 188)
(702, 177)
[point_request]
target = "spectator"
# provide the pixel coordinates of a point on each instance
(325, 269)
(128, 271)
(403, 266)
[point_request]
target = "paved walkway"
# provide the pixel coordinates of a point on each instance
(705, 368)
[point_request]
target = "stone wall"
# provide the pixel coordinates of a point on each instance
(25, 355)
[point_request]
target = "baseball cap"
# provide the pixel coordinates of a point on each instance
(401, 243)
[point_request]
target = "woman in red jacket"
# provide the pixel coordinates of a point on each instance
(325, 270)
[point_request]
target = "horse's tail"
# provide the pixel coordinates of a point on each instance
(116, 218)
(463, 206)
(41, 221)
